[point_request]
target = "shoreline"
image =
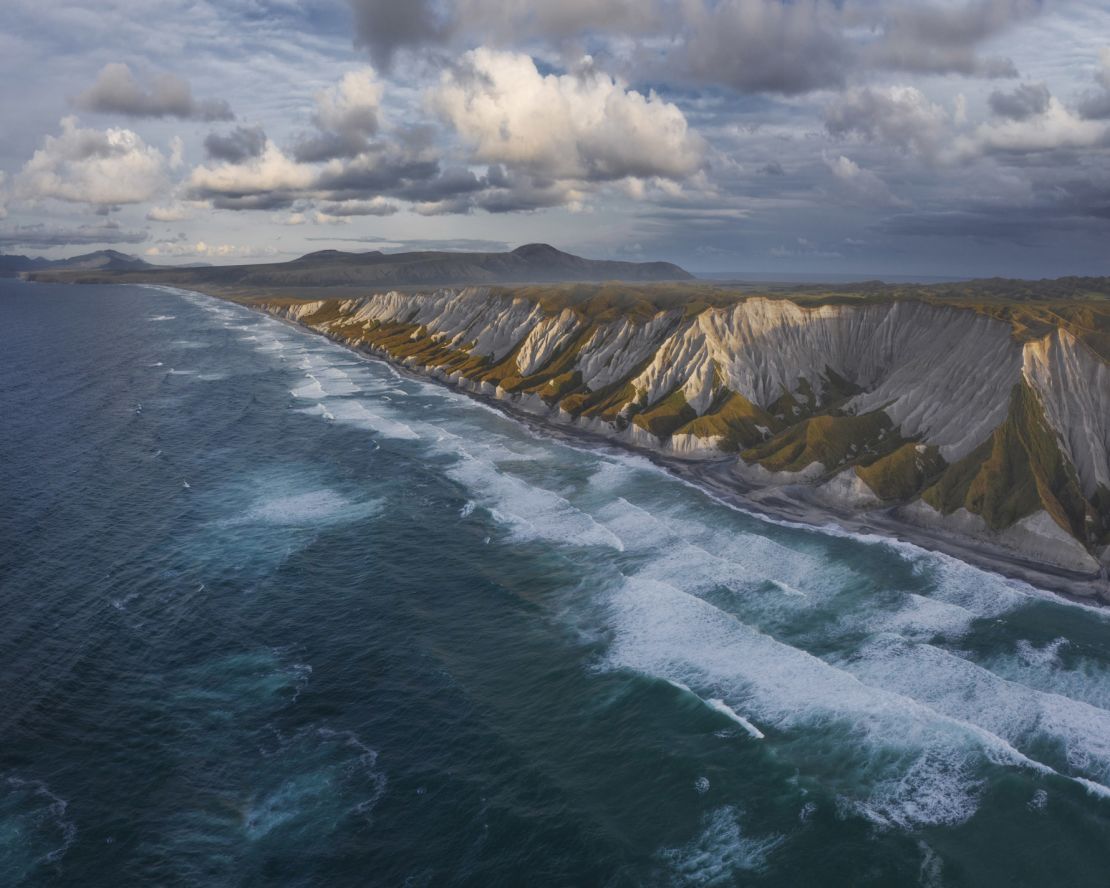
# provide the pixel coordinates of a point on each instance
(714, 478)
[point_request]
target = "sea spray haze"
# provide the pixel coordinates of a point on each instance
(274, 614)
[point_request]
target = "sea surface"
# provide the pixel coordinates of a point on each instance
(271, 614)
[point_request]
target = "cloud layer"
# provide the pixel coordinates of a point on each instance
(115, 91)
(900, 136)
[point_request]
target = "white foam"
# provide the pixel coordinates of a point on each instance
(338, 762)
(683, 549)
(309, 390)
(531, 512)
(50, 808)
(164, 318)
(925, 618)
(937, 789)
(720, 852)
(303, 509)
(331, 381)
(356, 413)
(932, 867)
(1093, 788)
(722, 707)
(660, 630)
(1085, 678)
(272, 344)
(1024, 717)
(1049, 655)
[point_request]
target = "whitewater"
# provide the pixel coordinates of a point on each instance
(272, 612)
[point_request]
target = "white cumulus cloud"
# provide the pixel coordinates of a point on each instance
(901, 116)
(859, 184)
(580, 125)
(96, 167)
(1054, 128)
(346, 116)
(257, 182)
(174, 212)
(205, 250)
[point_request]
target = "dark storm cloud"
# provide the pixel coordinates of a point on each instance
(237, 145)
(346, 117)
(43, 236)
(756, 46)
(751, 46)
(1025, 101)
(1096, 106)
(1096, 102)
(453, 182)
(960, 224)
(1078, 196)
(935, 38)
(456, 243)
(521, 198)
(348, 208)
(116, 91)
(367, 176)
(385, 26)
(266, 200)
(1026, 226)
(319, 147)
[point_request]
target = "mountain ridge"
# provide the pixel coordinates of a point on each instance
(530, 263)
(103, 260)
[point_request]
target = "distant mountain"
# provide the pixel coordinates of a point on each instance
(101, 260)
(532, 263)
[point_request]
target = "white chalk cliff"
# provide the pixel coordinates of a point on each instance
(939, 412)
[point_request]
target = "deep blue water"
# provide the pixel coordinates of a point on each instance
(273, 615)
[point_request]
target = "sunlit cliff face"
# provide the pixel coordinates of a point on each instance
(939, 410)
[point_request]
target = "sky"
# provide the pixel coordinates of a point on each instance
(840, 137)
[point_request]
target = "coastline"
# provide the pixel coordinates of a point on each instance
(715, 478)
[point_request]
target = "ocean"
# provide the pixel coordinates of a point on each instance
(273, 614)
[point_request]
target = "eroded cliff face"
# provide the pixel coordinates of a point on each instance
(939, 412)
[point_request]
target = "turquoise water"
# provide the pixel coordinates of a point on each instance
(274, 615)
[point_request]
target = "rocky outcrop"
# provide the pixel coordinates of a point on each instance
(939, 411)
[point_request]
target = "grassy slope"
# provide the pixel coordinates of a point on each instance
(834, 440)
(903, 473)
(1019, 470)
